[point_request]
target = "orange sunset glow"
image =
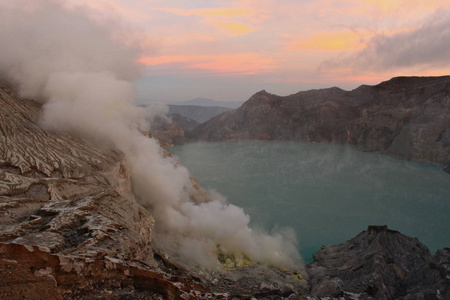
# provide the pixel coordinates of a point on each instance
(227, 50)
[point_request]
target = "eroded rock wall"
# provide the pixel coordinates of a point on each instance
(63, 193)
(407, 117)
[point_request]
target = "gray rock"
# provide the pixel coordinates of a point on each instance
(261, 282)
(407, 117)
(63, 192)
(68, 212)
(380, 263)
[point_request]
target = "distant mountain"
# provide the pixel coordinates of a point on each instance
(407, 117)
(197, 113)
(71, 228)
(209, 103)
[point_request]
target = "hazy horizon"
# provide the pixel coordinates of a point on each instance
(183, 101)
(143, 101)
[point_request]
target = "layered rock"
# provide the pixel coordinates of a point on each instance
(64, 193)
(70, 226)
(408, 117)
(31, 272)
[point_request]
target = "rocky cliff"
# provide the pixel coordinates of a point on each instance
(64, 193)
(68, 202)
(70, 228)
(380, 263)
(174, 130)
(407, 117)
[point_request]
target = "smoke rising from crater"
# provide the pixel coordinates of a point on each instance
(83, 74)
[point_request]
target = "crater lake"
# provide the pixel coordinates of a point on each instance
(326, 193)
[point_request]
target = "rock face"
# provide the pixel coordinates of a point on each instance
(64, 193)
(70, 228)
(31, 272)
(380, 264)
(408, 117)
(175, 131)
(261, 282)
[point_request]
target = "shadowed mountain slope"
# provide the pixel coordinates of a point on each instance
(197, 113)
(407, 117)
(70, 228)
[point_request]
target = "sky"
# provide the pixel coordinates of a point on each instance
(228, 50)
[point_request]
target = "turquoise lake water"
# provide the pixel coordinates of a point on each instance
(327, 193)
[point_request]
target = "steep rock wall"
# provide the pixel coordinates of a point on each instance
(407, 117)
(64, 193)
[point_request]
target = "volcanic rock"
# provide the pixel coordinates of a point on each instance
(173, 131)
(407, 117)
(64, 193)
(380, 263)
(71, 228)
(260, 281)
(31, 272)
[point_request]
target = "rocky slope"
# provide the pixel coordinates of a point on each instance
(68, 201)
(175, 130)
(70, 228)
(381, 264)
(197, 113)
(62, 192)
(407, 117)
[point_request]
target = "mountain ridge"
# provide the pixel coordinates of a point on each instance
(406, 117)
(206, 102)
(196, 112)
(71, 228)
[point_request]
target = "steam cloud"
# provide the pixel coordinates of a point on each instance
(84, 74)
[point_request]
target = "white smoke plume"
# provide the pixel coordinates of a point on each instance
(83, 74)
